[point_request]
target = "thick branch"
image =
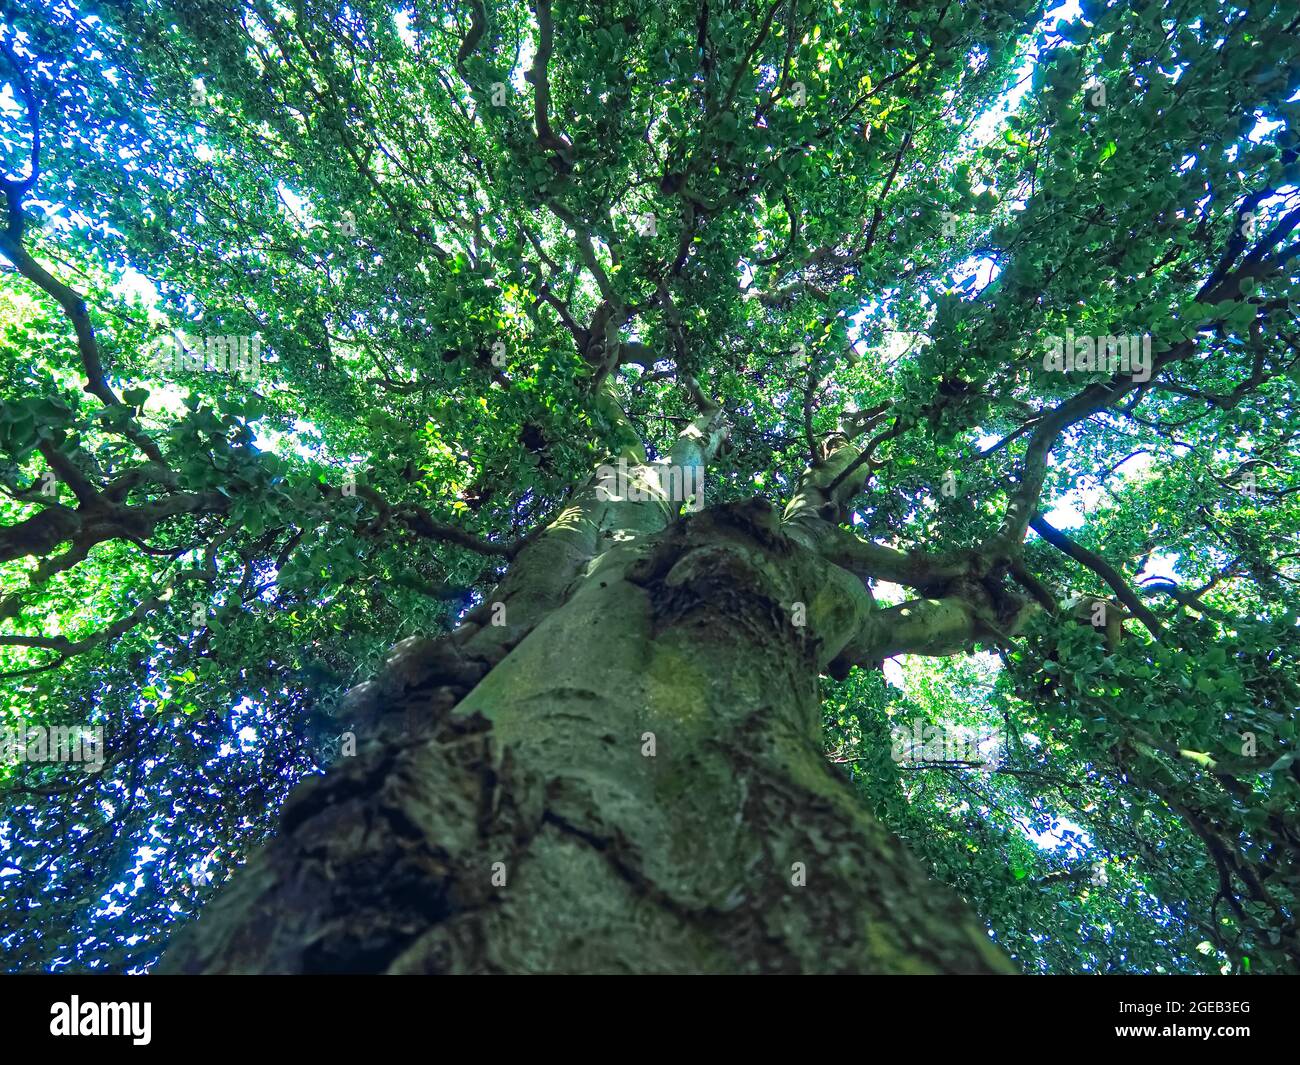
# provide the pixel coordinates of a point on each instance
(75, 308)
(1103, 569)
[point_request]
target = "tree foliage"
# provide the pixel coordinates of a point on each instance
(484, 246)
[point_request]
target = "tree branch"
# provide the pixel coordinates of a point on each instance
(1103, 569)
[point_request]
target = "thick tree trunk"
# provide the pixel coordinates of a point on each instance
(627, 776)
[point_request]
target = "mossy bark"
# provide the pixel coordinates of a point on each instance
(636, 785)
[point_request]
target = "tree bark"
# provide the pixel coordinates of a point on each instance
(624, 774)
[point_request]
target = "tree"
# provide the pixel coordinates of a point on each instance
(581, 486)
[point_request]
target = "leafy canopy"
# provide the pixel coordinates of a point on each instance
(481, 246)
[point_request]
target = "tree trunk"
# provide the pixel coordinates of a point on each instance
(624, 774)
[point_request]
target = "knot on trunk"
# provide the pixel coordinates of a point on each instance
(730, 569)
